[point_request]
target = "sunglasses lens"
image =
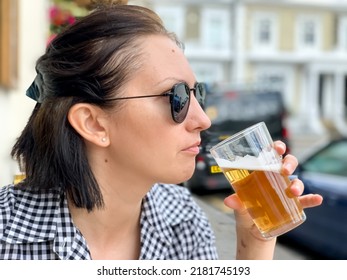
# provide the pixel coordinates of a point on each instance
(200, 93)
(180, 102)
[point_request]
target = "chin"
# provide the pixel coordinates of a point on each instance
(185, 177)
(179, 174)
(178, 180)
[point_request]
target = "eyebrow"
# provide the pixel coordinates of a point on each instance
(172, 79)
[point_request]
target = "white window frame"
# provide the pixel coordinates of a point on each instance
(342, 33)
(222, 34)
(173, 17)
(258, 19)
(302, 20)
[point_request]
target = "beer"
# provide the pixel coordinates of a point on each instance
(253, 168)
(267, 197)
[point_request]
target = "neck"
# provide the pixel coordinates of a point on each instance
(112, 232)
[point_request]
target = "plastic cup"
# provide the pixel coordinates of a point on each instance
(252, 167)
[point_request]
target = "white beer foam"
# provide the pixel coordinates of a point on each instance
(252, 163)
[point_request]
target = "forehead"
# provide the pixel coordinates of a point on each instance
(163, 58)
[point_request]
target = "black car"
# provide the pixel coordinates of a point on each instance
(325, 230)
(231, 111)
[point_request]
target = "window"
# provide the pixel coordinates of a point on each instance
(308, 33)
(264, 32)
(331, 160)
(342, 35)
(8, 43)
(173, 18)
(216, 28)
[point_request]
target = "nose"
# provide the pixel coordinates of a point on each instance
(197, 116)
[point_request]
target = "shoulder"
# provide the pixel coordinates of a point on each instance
(6, 192)
(7, 204)
(21, 198)
(7, 199)
(18, 205)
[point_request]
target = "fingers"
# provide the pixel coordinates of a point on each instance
(289, 165)
(311, 200)
(308, 200)
(296, 187)
(290, 162)
(280, 147)
(242, 216)
(233, 202)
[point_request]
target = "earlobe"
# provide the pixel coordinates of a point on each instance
(89, 122)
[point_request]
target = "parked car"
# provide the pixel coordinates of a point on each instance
(231, 111)
(325, 230)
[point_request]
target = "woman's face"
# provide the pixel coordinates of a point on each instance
(146, 144)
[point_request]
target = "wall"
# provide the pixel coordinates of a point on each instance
(15, 107)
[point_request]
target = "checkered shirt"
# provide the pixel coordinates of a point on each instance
(39, 227)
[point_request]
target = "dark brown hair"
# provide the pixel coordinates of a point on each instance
(89, 62)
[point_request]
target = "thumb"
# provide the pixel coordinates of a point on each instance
(234, 202)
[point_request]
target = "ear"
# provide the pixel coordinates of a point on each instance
(90, 122)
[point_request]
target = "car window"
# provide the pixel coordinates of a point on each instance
(331, 160)
(231, 111)
(243, 106)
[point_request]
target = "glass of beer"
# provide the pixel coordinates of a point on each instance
(252, 167)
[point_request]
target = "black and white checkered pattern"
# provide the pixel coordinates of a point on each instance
(39, 227)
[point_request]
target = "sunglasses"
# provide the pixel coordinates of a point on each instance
(179, 99)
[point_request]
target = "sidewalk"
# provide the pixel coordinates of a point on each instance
(224, 228)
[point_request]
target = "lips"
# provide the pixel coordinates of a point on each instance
(193, 148)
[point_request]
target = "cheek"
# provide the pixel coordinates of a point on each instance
(144, 129)
(149, 115)
(150, 145)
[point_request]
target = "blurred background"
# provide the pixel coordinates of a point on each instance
(297, 47)
(294, 48)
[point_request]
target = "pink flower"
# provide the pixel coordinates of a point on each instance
(71, 19)
(53, 12)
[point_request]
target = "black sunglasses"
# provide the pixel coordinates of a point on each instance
(179, 99)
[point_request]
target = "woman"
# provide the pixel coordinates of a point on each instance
(118, 110)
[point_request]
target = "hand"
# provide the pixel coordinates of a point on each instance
(243, 219)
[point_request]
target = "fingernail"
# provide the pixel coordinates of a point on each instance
(283, 146)
(287, 166)
(292, 177)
